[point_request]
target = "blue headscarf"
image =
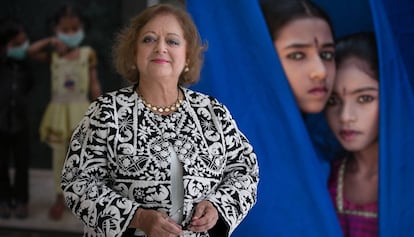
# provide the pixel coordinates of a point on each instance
(242, 70)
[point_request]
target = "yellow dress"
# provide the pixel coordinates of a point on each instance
(69, 95)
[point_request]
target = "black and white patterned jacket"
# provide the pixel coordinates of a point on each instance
(118, 160)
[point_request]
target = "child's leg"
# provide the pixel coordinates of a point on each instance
(21, 152)
(58, 158)
(5, 187)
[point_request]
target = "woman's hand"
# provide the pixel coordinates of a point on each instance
(155, 223)
(204, 218)
(59, 46)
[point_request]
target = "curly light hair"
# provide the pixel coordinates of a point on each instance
(125, 49)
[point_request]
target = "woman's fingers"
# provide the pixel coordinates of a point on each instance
(204, 218)
(159, 224)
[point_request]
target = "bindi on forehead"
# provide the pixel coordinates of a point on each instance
(316, 41)
(323, 44)
(343, 91)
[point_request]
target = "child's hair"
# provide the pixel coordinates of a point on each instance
(66, 10)
(9, 28)
(362, 46)
(279, 13)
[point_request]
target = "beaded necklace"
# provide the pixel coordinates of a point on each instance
(163, 109)
(340, 196)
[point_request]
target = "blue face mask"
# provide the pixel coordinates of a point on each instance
(73, 40)
(18, 52)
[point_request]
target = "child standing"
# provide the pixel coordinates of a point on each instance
(352, 114)
(73, 81)
(15, 85)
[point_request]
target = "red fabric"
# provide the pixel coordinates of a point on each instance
(353, 225)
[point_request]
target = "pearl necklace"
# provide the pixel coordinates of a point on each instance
(163, 109)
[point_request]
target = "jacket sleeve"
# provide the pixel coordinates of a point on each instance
(237, 192)
(86, 181)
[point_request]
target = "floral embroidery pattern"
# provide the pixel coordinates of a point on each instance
(118, 160)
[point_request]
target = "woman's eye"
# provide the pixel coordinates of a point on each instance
(327, 55)
(296, 56)
(149, 39)
(173, 42)
(365, 99)
(332, 101)
(75, 29)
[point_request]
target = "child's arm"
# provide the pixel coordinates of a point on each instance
(94, 84)
(36, 50)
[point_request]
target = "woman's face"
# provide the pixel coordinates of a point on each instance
(306, 51)
(69, 25)
(18, 40)
(161, 49)
(352, 110)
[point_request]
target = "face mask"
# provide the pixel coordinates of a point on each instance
(18, 52)
(72, 40)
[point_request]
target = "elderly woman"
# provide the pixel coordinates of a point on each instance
(155, 158)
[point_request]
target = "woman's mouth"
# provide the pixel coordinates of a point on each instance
(318, 91)
(348, 135)
(159, 60)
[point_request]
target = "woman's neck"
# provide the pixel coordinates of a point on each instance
(70, 53)
(159, 94)
(365, 162)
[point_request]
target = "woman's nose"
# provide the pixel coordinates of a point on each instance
(318, 69)
(347, 114)
(160, 47)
